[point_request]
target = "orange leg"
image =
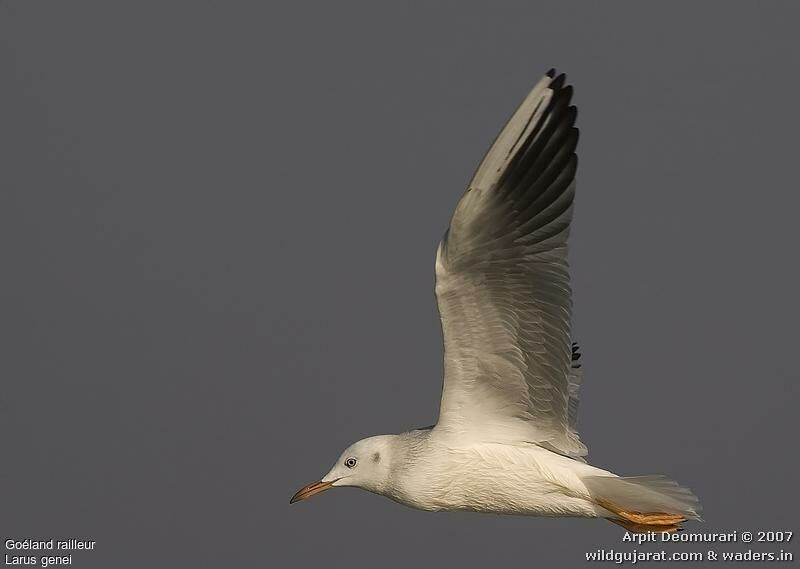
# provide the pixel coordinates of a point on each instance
(643, 521)
(644, 528)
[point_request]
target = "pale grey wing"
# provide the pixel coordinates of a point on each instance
(502, 284)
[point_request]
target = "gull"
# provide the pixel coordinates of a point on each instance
(506, 440)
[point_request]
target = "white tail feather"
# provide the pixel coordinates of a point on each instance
(652, 493)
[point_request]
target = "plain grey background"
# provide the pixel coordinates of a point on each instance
(218, 231)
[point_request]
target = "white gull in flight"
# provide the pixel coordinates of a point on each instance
(506, 440)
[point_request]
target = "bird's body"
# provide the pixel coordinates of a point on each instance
(506, 441)
(440, 472)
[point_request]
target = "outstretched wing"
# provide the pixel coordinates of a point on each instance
(502, 283)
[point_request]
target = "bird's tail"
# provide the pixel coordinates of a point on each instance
(644, 503)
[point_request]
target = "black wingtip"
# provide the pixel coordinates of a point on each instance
(558, 83)
(551, 72)
(562, 96)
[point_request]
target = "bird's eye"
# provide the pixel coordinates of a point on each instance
(350, 462)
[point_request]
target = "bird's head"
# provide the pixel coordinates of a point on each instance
(364, 464)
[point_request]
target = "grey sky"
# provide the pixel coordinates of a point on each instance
(218, 230)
